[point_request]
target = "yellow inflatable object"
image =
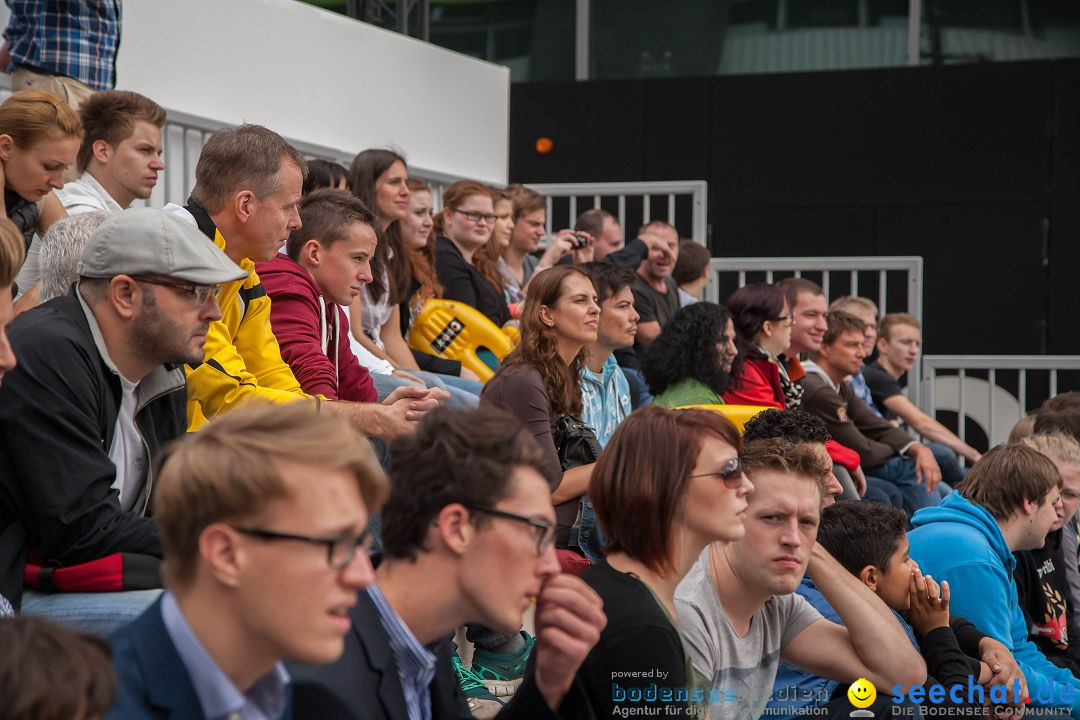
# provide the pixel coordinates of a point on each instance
(738, 414)
(454, 330)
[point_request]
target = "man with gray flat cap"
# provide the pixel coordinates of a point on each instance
(98, 389)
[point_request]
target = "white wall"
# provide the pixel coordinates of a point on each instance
(318, 77)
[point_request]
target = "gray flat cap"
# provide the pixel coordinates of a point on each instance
(146, 241)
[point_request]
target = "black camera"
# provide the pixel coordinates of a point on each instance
(580, 241)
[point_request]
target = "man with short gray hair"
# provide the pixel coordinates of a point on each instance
(62, 246)
(98, 392)
(248, 184)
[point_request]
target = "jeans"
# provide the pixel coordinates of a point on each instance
(883, 492)
(589, 537)
(952, 471)
(99, 613)
(639, 389)
(900, 471)
(460, 395)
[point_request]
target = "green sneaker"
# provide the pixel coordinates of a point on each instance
(482, 703)
(500, 672)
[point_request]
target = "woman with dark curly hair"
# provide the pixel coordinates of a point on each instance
(539, 380)
(688, 364)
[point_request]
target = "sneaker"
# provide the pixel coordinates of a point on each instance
(482, 703)
(502, 673)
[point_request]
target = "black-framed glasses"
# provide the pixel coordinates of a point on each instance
(731, 473)
(477, 217)
(785, 319)
(544, 530)
(340, 550)
(201, 294)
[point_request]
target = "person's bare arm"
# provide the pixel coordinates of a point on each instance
(575, 483)
(396, 347)
(51, 211)
(930, 428)
(870, 644)
(397, 415)
(356, 327)
(647, 332)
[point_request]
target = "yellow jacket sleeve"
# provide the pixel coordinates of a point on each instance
(241, 361)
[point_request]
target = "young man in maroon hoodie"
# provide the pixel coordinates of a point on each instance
(328, 262)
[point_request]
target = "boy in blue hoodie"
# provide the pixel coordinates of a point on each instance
(1009, 501)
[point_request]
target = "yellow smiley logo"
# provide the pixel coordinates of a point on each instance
(862, 693)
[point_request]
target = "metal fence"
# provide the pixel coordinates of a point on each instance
(992, 392)
(895, 282)
(683, 204)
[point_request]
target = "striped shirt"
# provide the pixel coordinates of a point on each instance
(415, 663)
(75, 38)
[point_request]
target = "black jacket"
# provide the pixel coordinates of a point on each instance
(464, 283)
(364, 683)
(58, 410)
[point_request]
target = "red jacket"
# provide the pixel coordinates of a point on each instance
(758, 384)
(307, 329)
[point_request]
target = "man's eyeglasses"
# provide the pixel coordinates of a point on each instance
(544, 530)
(476, 217)
(202, 294)
(731, 473)
(340, 550)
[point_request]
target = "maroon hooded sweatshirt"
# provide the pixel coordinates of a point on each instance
(313, 334)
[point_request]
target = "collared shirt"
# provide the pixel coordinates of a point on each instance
(605, 399)
(85, 194)
(75, 38)
(415, 663)
(219, 698)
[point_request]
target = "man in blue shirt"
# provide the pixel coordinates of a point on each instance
(263, 517)
(67, 47)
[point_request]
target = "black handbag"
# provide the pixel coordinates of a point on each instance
(575, 442)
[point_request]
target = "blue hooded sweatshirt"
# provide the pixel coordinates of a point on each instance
(961, 542)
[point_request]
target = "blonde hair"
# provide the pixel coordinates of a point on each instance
(1025, 427)
(32, 115)
(12, 252)
(893, 319)
(845, 303)
(231, 469)
(1057, 446)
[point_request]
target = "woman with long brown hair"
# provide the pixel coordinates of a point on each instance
(380, 179)
(540, 380)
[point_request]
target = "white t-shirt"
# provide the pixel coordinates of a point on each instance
(128, 452)
(741, 668)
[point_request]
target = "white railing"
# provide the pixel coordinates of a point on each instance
(673, 202)
(994, 391)
(837, 276)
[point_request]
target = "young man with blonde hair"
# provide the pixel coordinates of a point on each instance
(899, 341)
(120, 157)
(738, 610)
(263, 518)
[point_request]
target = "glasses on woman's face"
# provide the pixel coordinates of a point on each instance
(544, 530)
(731, 473)
(785, 319)
(476, 217)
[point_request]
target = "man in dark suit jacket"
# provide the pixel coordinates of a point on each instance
(263, 518)
(467, 537)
